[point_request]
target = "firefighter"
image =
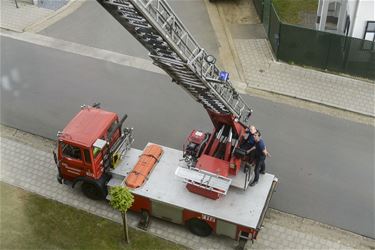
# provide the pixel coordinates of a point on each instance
(261, 154)
(248, 142)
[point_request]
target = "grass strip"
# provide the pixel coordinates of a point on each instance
(288, 10)
(29, 221)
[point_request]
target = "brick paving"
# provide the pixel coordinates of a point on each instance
(18, 19)
(262, 72)
(32, 168)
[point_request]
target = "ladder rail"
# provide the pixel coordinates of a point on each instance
(174, 49)
(202, 63)
(166, 27)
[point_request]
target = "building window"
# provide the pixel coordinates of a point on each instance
(369, 31)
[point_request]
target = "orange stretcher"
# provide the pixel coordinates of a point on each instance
(147, 161)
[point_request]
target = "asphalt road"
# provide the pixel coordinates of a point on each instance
(92, 25)
(325, 165)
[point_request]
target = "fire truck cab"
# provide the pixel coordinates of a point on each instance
(87, 147)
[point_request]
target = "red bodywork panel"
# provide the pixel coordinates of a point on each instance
(211, 221)
(196, 137)
(87, 126)
(204, 192)
(141, 203)
(217, 156)
(248, 230)
(213, 165)
(219, 119)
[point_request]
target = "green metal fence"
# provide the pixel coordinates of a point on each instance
(274, 30)
(259, 8)
(317, 49)
(266, 13)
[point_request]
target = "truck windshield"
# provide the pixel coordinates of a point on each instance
(71, 151)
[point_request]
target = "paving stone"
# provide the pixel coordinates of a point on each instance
(273, 236)
(318, 86)
(19, 18)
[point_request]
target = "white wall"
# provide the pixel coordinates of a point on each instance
(351, 8)
(365, 12)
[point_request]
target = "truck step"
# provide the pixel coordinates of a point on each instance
(118, 174)
(113, 182)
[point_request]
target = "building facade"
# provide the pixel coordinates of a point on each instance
(354, 18)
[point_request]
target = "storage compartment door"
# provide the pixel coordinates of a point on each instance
(226, 228)
(167, 212)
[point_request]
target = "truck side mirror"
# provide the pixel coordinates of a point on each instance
(55, 156)
(96, 105)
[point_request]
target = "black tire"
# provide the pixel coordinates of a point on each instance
(199, 227)
(93, 191)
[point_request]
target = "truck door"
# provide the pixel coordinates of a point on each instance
(89, 167)
(98, 162)
(71, 161)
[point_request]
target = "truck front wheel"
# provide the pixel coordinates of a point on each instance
(92, 191)
(199, 227)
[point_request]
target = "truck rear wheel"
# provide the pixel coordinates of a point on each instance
(199, 227)
(93, 191)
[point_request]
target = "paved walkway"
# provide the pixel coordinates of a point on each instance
(26, 162)
(18, 19)
(262, 72)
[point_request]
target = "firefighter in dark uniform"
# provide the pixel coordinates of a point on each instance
(248, 145)
(261, 154)
(248, 142)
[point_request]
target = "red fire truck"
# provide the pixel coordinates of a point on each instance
(206, 185)
(94, 151)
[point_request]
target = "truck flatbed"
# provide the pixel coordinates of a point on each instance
(238, 206)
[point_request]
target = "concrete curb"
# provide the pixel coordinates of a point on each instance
(232, 47)
(43, 23)
(288, 84)
(84, 50)
(226, 55)
(249, 88)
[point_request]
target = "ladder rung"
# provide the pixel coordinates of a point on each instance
(174, 49)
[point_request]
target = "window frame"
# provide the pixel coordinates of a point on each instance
(64, 145)
(86, 153)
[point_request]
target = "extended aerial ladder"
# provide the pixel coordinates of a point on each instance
(172, 47)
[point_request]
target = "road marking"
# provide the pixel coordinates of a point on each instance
(84, 50)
